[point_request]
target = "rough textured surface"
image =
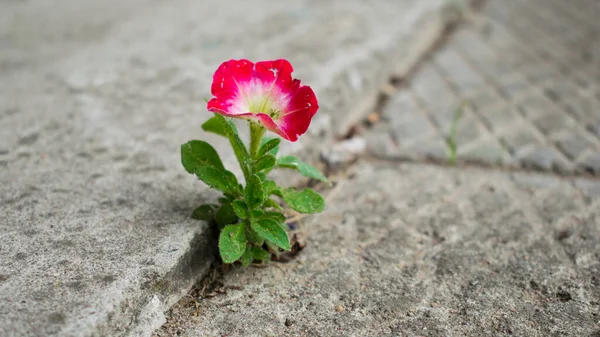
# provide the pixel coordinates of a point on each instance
(424, 251)
(530, 71)
(95, 98)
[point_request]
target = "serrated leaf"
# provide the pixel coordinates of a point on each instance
(225, 127)
(240, 208)
(260, 254)
(197, 153)
(205, 212)
(304, 169)
(254, 193)
(247, 258)
(271, 231)
(269, 145)
(265, 162)
(226, 215)
(272, 203)
(305, 201)
(232, 243)
(217, 179)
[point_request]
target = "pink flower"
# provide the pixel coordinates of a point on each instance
(264, 91)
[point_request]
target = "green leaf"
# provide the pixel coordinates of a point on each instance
(254, 194)
(305, 201)
(257, 214)
(269, 146)
(232, 243)
(272, 203)
(275, 216)
(265, 162)
(218, 125)
(260, 254)
(304, 169)
(240, 208)
(253, 237)
(199, 153)
(270, 230)
(219, 180)
(270, 187)
(236, 188)
(247, 257)
(225, 127)
(205, 212)
(226, 215)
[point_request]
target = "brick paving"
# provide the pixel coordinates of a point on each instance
(530, 74)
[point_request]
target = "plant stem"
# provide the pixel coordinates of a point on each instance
(256, 133)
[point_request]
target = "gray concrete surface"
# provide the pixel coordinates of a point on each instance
(530, 70)
(418, 250)
(95, 99)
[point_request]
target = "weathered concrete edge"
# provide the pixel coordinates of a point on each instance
(142, 307)
(398, 58)
(137, 306)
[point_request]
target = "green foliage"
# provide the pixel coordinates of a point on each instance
(269, 146)
(225, 127)
(223, 181)
(232, 243)
(254, 193)
(226, 215)
(305, 201)
(240, 208)
(197, 153)
(248, 219)
(265, 162)
(270, 230)
(205, 212)
(452, 137)
(304, 169)
(260, 254)
(247, 258)
(270, 203)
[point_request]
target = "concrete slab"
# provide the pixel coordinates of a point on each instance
(419, 250)
(95, 99)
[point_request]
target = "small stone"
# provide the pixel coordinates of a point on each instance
(343, 153)
(373, 118)
(289, 322)
(339, 308)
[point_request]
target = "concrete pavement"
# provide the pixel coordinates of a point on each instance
(422, 250)
(95, 99)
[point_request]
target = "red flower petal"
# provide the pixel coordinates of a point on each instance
(302, 107)
(226, 82)
(265, 92)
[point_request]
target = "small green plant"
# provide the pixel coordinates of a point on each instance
(251, 222)
(452, 137)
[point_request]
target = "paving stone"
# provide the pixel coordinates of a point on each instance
(522, 73)
(573, 144)
(544, 158)
(590, 162)
(500, 118)
(520, 139)
(487, 151)
(457, 70)
(554, 121)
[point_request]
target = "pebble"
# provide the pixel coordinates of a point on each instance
(339, 308)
